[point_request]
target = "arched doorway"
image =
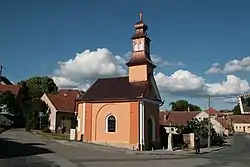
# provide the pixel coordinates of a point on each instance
(150, 132)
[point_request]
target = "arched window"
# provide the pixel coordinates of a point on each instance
(111, 123)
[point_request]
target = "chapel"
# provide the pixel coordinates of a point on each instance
(124, 111)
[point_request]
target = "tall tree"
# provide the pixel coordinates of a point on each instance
(183, 105)
(37, 106)
(236, 110)
(39, 85)
(198, 127)
(31, 92)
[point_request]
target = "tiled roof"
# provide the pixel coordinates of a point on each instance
(177, 117)
(214, 112)
(12, 88)
(115, 88)
(223, 122)
(241, 118)
(64, 100)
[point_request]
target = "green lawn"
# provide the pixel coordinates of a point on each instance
(53, 135)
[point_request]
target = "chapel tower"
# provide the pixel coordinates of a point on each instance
(140, 64)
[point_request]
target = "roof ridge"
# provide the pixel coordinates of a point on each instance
(112, 77)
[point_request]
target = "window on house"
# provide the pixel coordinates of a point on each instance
(111, 124)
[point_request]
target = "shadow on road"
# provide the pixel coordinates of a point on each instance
(11, 149)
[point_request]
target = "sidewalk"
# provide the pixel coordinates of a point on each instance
(127, 151)
(182, 152)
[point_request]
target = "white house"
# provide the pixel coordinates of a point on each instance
(171, 119)
(62, 108)
(219, 124)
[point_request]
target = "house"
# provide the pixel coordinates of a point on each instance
(5, 81)
(124, 111)
(241, 123)
(14, 89)
(214, 113)
(171, 119)
(220, 124)
(62, 108)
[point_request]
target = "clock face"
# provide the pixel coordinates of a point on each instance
(136, 47)
(141, 46)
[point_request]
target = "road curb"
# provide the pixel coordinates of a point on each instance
(182, 153)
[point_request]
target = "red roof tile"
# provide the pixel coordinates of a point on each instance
(213, 112)
(223, 122)
(115, 88)
(64, 100)
(177, 117)
(12, 88)
(240, 118)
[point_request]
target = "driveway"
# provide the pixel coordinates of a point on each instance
(21, 149)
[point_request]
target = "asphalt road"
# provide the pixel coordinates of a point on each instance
(23, 149)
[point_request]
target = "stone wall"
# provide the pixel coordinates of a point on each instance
(189, 140)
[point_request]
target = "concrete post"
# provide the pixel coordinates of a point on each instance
(170, 141)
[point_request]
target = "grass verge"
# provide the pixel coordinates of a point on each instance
(53, 135)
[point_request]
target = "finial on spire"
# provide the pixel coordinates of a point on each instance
(140, 16)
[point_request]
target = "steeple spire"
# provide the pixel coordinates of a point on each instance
(140, 64)
(140, 16)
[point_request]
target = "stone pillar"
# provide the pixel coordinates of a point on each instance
(170, 141)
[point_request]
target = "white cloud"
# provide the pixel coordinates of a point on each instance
(231, 86)
(215, 64)
(230, 100)
(65, 82)
(231, 66)
(161, 62)
(89, 65)
(85, 68)
(213, 70)
(180, 82)
(188, 84)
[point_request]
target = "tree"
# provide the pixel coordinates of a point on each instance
(31, 92)
(12, 105)
(200, 128)
(183, 105)
(236, 110)
(37, 106)
(37, 86)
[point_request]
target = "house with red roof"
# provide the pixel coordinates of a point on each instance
(241, 123)
(171, 119)
(62, 108)
(14, 89)
(214, 113)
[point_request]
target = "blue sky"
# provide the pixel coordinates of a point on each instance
(36, 35)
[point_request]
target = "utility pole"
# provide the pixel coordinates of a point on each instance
(209, 122)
